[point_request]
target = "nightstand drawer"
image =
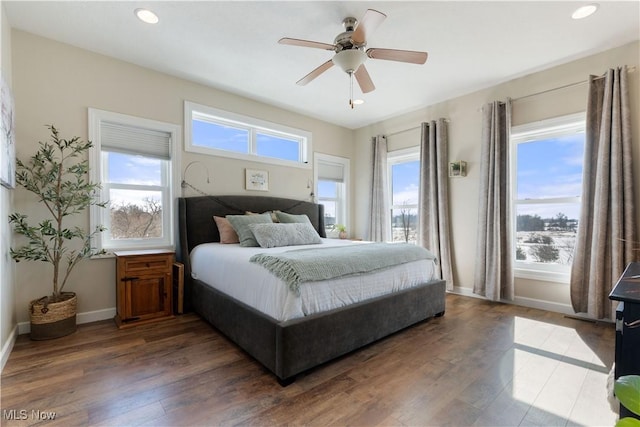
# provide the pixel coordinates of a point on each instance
(145, 263)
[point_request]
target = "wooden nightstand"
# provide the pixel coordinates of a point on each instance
(143, 286)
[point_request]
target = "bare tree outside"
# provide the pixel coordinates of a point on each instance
(131, 221)
(406, 220)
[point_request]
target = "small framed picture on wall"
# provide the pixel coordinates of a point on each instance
(256, 180)
(7, 137)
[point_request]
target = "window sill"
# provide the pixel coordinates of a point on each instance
(110, 251)
(545, 276)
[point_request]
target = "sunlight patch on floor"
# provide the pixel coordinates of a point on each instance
(559, 375)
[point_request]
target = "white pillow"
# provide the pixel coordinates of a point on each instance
(276, 235)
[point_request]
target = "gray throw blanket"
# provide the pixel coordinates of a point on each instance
(312, 265)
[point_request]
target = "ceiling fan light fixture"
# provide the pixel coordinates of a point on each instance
(349, 60)
(146, 16)
(584, 11)
(358, 101)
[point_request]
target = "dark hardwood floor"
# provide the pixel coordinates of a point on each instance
(483, 364)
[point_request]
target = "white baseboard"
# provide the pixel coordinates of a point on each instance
(543, 305)
(7, 347)
(467, 292)
(523, 301)
(86, 317)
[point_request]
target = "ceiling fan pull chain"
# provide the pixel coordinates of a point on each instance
(351, 90)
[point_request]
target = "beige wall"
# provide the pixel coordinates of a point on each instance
(55, 84)
(464, 144)
(7, 287)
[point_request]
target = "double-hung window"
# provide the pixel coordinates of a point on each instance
(134, 160)
(332, 178)
(547, 162)
(217, 132)
(404, 183)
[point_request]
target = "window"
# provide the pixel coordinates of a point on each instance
(134, 161)
(547, 160)
(404, 181)
(332, 177)
(222, 133)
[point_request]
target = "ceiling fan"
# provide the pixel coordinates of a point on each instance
(351, 51)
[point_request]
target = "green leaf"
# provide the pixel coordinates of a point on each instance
(57, 174)
(628, 422)
(627, 390)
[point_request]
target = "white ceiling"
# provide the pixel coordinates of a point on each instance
(233, 45)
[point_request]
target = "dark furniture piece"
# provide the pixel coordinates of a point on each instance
(288, 348)
(143, 286)
(627, 357)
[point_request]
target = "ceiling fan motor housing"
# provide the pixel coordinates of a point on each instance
(343, 41)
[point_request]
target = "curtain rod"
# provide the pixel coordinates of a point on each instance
(408, 130)
(582, 82)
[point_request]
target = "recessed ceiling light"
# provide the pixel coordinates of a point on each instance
(584, 11)
(145, 15)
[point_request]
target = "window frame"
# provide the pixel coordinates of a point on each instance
(254, 126)
(395, 157)
(171, 173)
(342, 191)
(528, 132)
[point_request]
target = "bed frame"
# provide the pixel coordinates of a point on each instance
(290, 347)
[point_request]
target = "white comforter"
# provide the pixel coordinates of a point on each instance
(226, 267)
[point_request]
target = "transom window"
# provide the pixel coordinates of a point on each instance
(221, 133)
(404, 182)
(547, 160)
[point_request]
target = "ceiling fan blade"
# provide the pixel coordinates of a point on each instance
(306, 43)
(364, 79)
(369, 22)
(315, 73)
(411, 56)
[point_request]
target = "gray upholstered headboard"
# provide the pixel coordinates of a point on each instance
(196, 224)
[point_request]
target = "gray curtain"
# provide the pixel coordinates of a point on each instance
(607, 227)
(379, 220)
(433, 205)
(493, 276)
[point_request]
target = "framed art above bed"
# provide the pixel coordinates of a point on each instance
(293, 343)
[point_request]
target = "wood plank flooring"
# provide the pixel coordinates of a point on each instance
(482, 364)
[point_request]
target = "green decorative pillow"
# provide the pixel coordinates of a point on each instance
(292, 234)
(287, 218)
(240, 223)
(274, 217)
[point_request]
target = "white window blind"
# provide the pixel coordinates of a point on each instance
(135, 140)
(330, 172)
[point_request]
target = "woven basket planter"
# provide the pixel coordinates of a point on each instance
(51, 320)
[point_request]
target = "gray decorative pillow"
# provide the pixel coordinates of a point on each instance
(288, 218)
(241, 223)
(275, 235)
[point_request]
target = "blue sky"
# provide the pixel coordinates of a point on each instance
(406, 177)
(549, 168)
(236, 139)
(130, 169)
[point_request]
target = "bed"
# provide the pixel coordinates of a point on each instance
(291, 346)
